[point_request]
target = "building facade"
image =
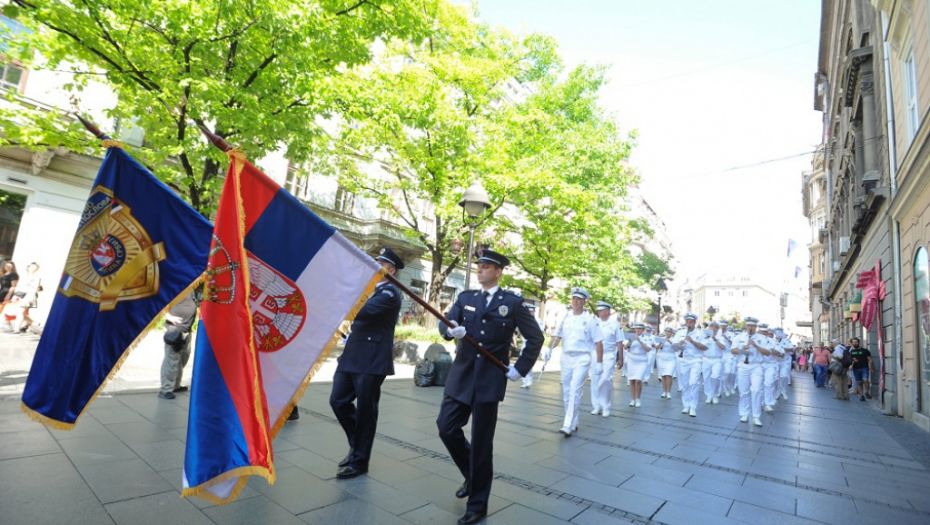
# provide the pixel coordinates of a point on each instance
(814, 198)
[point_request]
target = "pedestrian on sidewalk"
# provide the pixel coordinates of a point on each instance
(821, 358)
(476, 386)
(367, 359)
(178, 323)
(26, 296)
(8, 281)
(841, 371)
(862, 364)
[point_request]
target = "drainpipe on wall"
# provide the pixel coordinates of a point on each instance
(892, 407)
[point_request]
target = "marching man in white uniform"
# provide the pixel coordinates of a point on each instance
(667, 360)
(581, 337)
(751, 348)
(637, 368)
(770, 368)
(602, 390)
(784, 370)
(693, 345)
(712, 364)
(729, 360)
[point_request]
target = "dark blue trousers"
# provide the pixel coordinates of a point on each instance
(359, 420)
(473, 459)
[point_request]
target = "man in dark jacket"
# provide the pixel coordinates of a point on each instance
(476, 386)
(368, 357)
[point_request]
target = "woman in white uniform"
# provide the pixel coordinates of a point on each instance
(638, 365)
(666, 359)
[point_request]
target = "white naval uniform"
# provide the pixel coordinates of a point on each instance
(638, 356)
(770, 366)
(729, 365)
(784, 368)
(602, 386)
(580, 334)
(667, 359)
(689, 366)
(528, 378)
(652, 357)
(712, 365)
(749, 374)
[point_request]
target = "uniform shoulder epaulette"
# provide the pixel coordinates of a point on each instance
(512, 292)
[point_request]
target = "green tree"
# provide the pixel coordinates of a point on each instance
(259, 72)
(417, 124)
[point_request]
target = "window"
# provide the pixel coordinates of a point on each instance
(730, 294)
(345, 201)
(745, 293)
(717, 294)
(11, 77)
(909, 80)
(922, 308)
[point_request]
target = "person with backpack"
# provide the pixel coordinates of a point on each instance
(476, 386)
(367, 359)
(843, 360)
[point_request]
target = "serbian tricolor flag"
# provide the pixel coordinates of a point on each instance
(279, 282)
(137, 249)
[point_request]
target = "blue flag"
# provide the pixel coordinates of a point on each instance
(791, 246)
(137, 248)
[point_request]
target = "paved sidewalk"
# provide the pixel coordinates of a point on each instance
(816, 460)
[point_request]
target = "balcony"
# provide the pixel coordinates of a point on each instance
(369, 235)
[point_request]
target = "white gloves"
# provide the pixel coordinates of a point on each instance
(512, 374)
(547, 354)
(457, 331)
(598, 368)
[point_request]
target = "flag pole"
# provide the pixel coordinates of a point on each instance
(91, 127)
(222, 145)
(442, 318)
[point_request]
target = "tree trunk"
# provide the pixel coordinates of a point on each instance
(436, 280)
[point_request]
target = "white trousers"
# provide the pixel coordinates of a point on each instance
(712, 371)
(784, 378)
(689, 377)
(574, 372)
(729, 372)
(602, 386)
(750, 389)
(770, 373)
(650, 366)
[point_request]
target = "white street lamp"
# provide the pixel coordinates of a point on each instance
(475, 201)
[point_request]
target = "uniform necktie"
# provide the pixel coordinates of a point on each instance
(486, 294)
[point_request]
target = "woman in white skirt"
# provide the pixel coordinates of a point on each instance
(667, 360)
(638, 362)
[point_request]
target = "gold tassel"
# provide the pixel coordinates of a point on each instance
(242, 472)
(61, 425)
(110, 143)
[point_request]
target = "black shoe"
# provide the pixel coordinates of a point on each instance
(295, 415)
(181, 389)
(350, 471)
(166, 395)
(861, 398)
(868, 395)
(345, 460)
(471, 517)
(463, 491)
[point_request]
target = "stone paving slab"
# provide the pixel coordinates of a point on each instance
(816, 460)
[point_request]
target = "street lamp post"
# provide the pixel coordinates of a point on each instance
(661, 288)
(475, 201)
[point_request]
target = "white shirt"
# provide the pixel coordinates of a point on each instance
(786, 347)
(691, 351)
(613, 334)
(838, 351)
(742, 340)
(713, 351)
(772, 344)
(638, 349)
(491, 293)
(580, 333)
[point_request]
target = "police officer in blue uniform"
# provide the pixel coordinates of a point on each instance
(368, 357)
(476, 386)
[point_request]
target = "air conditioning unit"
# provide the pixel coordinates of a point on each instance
(844, 247)
(836, 266)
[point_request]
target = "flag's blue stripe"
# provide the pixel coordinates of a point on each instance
(287, 235)
(213, 429)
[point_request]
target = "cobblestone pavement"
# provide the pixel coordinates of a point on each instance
(816, 460)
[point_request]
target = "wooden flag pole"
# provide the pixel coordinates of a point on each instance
(91, 127)
(442, 318)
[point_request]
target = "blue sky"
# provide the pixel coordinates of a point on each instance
(709, 85)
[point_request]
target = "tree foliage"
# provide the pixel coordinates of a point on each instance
(259, 72)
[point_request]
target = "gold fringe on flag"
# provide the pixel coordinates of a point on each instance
(110, 143)
(61, 425)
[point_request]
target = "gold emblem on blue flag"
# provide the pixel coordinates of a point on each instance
(112, 258)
